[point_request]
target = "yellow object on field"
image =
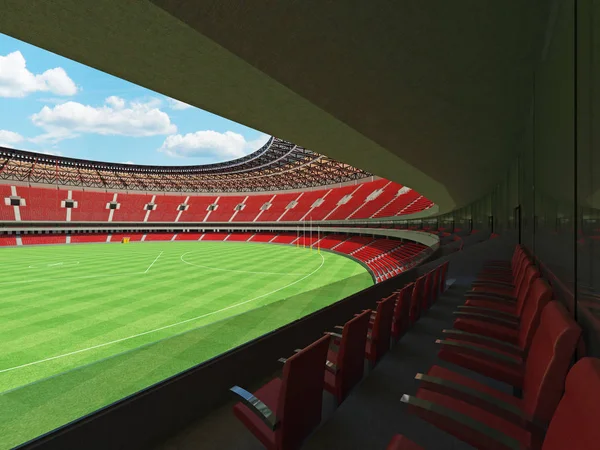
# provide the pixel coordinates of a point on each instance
(125, 240)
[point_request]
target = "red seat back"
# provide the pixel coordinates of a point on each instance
(538, 296)
(300, 402)
(522, 291)
(436, 283)
(415, 301)
(351, 355)
(575, 422)
(382, 327)
(401, 319)
(548, 361)
(443, 276)
(427, 288)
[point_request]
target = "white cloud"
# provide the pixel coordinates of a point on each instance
(177, 105)
(115, 102)
(49, 152)
(52, 100)
(17, 81)
(228, 145)
(116, 117)
(10, 138)
(127, 162)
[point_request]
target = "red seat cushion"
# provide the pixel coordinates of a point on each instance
(498, 306)
(494, 289)
(269, 395)
(399, 442)
(449, 375)
(487, 329)
(488, 366)
(466, 433)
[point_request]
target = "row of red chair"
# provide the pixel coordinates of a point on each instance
(376, 198)
(510, 330)
(283, 412)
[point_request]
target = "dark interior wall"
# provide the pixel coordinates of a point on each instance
(555, 180)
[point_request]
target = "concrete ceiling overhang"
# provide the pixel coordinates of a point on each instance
(434, 95)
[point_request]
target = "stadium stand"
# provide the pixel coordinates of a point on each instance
(6, 209)
(83, 238)
(166, 208)
(117, 237)
(189, 236)
(7, 241)
(91, 206)
(132, 208)
(48, 204)
(30, 239)
(42, 204)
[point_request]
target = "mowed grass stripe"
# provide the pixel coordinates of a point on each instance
(139, 321)
(41, 406)
(92, 310)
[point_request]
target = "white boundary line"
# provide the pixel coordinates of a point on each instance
(154, 262)
(62, 263)
(163, 327)
(238, 271)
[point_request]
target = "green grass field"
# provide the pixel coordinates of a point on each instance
(82, 326)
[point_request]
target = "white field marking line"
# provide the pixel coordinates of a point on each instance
(44, 265)
(231, 270)
(116, 341)
(154, 262)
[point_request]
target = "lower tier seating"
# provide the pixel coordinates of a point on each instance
(384, 257)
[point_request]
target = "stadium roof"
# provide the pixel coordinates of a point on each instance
(278, 165)
(435, 95)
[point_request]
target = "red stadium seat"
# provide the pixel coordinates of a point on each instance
(507, 365)
(510, 331)
(401, 316)
(283, 412)
(415, 300)
(380, 330)
(346, 358)
(572, 426)
(399, 442)
(501, 304)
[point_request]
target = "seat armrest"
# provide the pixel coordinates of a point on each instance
(462, 347)
(493, 296)
(504, 321)
(262, 411)
(484, 340)
(493, 283)
(430, 409)
(339, 327)
(331, 367)
(335, 342)
(490, 311)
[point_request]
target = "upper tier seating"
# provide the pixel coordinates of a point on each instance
(377, 198)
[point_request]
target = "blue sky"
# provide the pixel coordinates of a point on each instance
(54, 105)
